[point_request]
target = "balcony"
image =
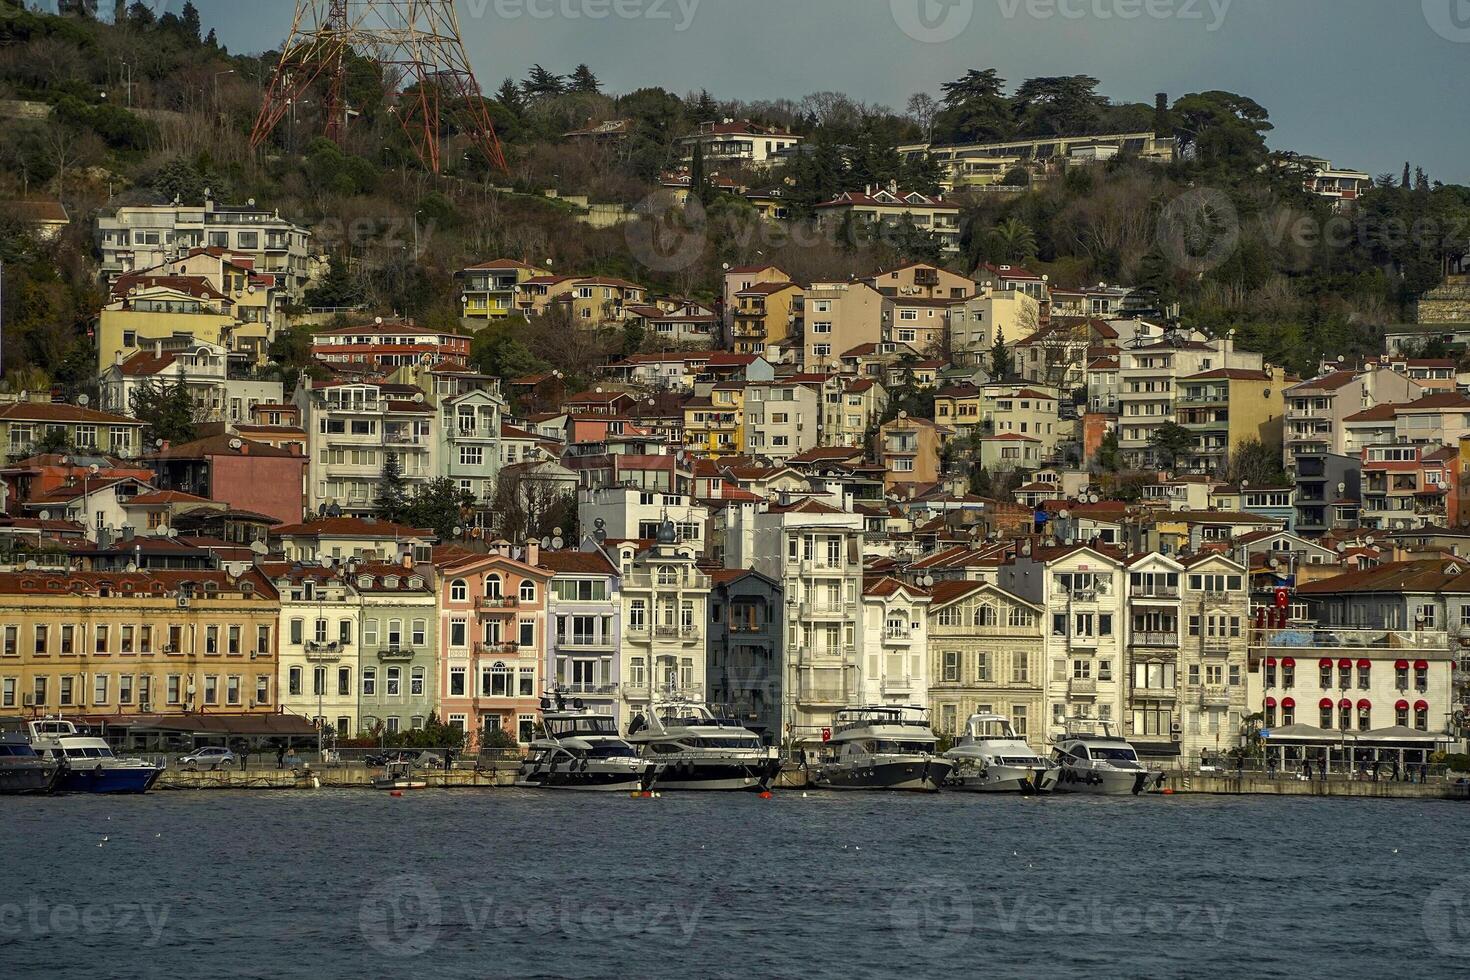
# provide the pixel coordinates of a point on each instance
(588, 689)
(1215, 646)
(323, 649)
(1082, 687)
(1348, 638)
(811, 691)
(897, 639)
(897, 686)
(1154, 694)
(496, 603)
(586, 644)
(1155, 592)
(490, 649)
(821, 566)
(643, 692)
(1214, 696)
(1148, 639)
(397, 654)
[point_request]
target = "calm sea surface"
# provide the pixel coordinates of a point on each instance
(515, 883)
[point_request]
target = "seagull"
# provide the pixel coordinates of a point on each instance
(105, 838)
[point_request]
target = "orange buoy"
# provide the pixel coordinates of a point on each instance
(765, 794)
(1169, 792)
(396, 792)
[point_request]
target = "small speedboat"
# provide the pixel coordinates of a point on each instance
(881, 747)
(397, 776)
(1101, 763)
(582, 751)
(23, 770)
(700, 751)
(87, 763)
(991, 758)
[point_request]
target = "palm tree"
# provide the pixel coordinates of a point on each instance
(1013, 240)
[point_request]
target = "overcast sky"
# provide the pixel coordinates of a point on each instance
(1366, 83)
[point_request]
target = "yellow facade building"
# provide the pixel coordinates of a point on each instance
(116, 646)
(715, 426)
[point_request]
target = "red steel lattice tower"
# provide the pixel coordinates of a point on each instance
(417, 46)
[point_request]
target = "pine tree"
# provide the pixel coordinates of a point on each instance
(705, 108)
(542, 84)
(392, 502)
(1000, 358)
(583, 81)
(1405, 182)
(698, 184)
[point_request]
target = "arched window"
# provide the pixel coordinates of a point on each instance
(985, 615)
(528, 591)
(1365, 716)
(667, 575)
(459, 590)
(1326, 669)
(1421, 716)
(1270, 713)
(1345, 715)
(1326, 714)
(1288, 711)
(416, 682)
(492, 586)
(294, 681)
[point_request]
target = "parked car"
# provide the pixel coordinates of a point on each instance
(211, 757)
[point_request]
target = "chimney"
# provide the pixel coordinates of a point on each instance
(408, 559)
(158, 348)
(533, 553)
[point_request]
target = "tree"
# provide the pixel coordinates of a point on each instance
(1171, 442)
(542, 84)
(698, 183)
(1107, 452)
(1223, 128)
(392, 503)
(1012, 241)
(975, 109)
(583, 81)
(1063, 105)
(168, 410)
(922, 108)
(440, 505)
(1257, 462)
(1000, 357)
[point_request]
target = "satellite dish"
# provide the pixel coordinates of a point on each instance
(600, 524)
(546, 542)
(31, 565)
(83, 400)
(172, 532)
(557, 542)
(131, 568)
(378, 320)
(236, 444)
(458, 530)
(418, 398)
(45, 515)
(259, 547)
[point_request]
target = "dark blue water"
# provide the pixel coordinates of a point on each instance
(514, 883)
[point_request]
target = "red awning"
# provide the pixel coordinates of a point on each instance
(1270, 702)
(1288, 662)
(1421, 665)
(1421, 705)
(1325, 662)
(1365, 705)
(1325, 703)
(1345, 703)
(1270, 661)
(1345, 664)
(1288, 702)
(1364, 664)
(1401, 706)
(1400, 665)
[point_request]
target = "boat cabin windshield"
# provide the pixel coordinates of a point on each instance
(720, 742)
(1113, 754)
(893, 746)
(994, 727)
(613, 751)
(88, 753)
(581, 725)
(686, 716)
(17, 750)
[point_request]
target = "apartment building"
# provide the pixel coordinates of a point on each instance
(585, 619)
(353, 428)
(714, 425)
(387, 344)
(639, 514)
(1025, 411)
(136, 237)
(733, 143)
(745, 653)
(976, 321)
(894, 662)
(202, 368)
(837, 316)
(783, 418)
(114, 646)
(1409, 486)
(1214, 656)
(812, 545)
(908, 450)
(399, 652)
(323, 668)
(1226, 407)
(1084, 593)
(470, 426)
(874, 213)
(179, 311)
(487, 290)
(493, 635)
(986, 655)
(665, 616)
(241, 473)
(23, 424)
(921, 280)
(851, 407)
(764, 315)
(1149, 384)
(1317, 409)
(739, 278)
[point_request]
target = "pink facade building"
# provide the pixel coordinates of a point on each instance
(492, 642)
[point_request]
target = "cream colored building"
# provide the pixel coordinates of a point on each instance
(986, 655)
(895, 635)
(837, 316)
(975, 322)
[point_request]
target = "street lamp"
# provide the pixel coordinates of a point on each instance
(227, 71)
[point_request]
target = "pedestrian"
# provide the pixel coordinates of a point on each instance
(1393, 771)
(291, 758)
(1423, 772)
(1306, 769)
(280, 757)
(244, 757)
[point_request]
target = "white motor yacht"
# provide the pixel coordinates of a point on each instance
(582, 750)
(881, 747)
(991, 758)
(698, 750)
(1092, 759)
